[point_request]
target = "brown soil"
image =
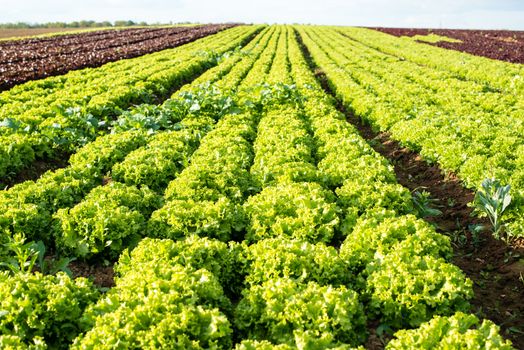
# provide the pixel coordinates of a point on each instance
(494, 267)
(35, 170)
(376, 340)
(503, 45)
(102, 276)
(36, 58)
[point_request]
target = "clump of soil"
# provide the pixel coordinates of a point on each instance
(102, 276)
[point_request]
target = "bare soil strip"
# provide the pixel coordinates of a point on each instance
(30, 59)
(35, 170)
(503, 45)
(495, 268)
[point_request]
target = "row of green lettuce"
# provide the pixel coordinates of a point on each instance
(135, 153)
(41, 294)
(493, 74)
(82, 231)
(99, 155)
(242, 247)
(47, 118)
(466, 123)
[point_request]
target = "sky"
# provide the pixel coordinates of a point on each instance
(469, 14)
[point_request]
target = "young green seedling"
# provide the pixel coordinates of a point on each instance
(493, 199)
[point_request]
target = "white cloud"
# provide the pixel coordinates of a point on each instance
(420, 13)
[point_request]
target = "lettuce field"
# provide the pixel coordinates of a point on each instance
(261, 187)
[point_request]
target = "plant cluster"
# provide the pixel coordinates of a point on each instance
(226, 220)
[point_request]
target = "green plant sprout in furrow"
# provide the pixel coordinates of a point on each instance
(492, 200)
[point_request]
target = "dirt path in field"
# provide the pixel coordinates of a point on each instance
(495, 268)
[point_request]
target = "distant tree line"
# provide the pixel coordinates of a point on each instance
(75, 24)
